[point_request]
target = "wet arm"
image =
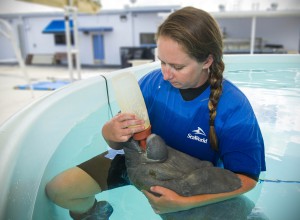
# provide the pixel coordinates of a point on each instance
(172, 202)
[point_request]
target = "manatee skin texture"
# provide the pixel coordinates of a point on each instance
(161, 165)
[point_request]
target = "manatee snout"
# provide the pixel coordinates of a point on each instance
(157, 150)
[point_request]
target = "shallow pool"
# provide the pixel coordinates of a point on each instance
(63, 129)
(274, 92)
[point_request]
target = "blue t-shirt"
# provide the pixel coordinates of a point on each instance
(184, 125)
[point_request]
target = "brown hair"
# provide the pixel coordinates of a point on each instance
(199, 34)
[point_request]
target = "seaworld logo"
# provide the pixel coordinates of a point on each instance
(199, 131)
(195, 137)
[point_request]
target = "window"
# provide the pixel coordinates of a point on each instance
(147, 39)
(60, 39)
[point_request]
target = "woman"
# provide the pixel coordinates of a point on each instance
(192, 107)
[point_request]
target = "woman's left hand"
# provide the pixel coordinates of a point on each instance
(168, 201)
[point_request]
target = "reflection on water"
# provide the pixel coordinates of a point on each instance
(275, 98)
(287, 78)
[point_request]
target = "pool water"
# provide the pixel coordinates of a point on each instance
(64, 129)
(275, 97)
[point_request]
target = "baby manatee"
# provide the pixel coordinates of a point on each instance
(161, 165)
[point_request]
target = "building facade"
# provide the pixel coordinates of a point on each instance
(101, 36)
(110, 36)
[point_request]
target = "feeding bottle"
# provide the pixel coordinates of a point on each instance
(130, 100)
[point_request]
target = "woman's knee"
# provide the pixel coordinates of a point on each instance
(71, 184)
(57, 187)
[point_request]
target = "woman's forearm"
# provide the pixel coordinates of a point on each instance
(170, 201)
(114, 145)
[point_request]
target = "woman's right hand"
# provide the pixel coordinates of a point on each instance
(122, 127)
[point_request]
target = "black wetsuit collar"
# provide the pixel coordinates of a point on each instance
(192, 93)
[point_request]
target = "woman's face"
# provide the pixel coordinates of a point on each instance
(178, 67)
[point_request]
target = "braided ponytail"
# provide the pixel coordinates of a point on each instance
(216, 78)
